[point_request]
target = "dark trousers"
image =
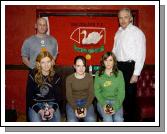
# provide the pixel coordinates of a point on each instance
(129, 104)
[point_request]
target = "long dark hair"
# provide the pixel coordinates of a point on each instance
(102, 66)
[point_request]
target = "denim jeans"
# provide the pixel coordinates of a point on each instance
(35, 117)
(71, 117)
(117, 117)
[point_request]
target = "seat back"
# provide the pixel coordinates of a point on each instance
(146, 82)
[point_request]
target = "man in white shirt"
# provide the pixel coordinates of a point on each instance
(130, 50)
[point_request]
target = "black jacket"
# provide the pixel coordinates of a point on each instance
(47, 92)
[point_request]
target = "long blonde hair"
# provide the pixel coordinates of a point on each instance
(38, 70)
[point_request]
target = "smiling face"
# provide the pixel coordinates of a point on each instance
(45, 64)
(79, 67)
(124, 18)
(109, 63)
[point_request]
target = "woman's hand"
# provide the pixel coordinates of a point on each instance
(51, 110)
(46, 115)
(42, 114)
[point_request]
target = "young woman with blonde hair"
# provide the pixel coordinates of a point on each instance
(43, 90)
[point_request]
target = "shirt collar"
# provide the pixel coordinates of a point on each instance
(107, 76)
(130, 25)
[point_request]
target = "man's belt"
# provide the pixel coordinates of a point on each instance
(129, 61)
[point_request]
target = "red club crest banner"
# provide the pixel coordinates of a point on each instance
(90, 36)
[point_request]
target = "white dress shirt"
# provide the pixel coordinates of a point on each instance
(130, 44)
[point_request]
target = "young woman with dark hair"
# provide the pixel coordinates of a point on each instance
(109, 89)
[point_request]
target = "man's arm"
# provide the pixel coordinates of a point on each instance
(140, 56)
(26, 61)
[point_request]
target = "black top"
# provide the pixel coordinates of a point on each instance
(47, 92)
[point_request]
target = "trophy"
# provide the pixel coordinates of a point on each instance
(80, 110)
(80, 106)
(109, 108)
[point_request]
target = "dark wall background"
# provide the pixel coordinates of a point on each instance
(19, 24)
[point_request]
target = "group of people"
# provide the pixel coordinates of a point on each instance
(114, 85)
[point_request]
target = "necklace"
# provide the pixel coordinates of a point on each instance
(45, 82)
(79, 76)
(44, 78)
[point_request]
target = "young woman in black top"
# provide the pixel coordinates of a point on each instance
(43, 93)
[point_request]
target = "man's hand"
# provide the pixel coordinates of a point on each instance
(133, 79)
(26, 61)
